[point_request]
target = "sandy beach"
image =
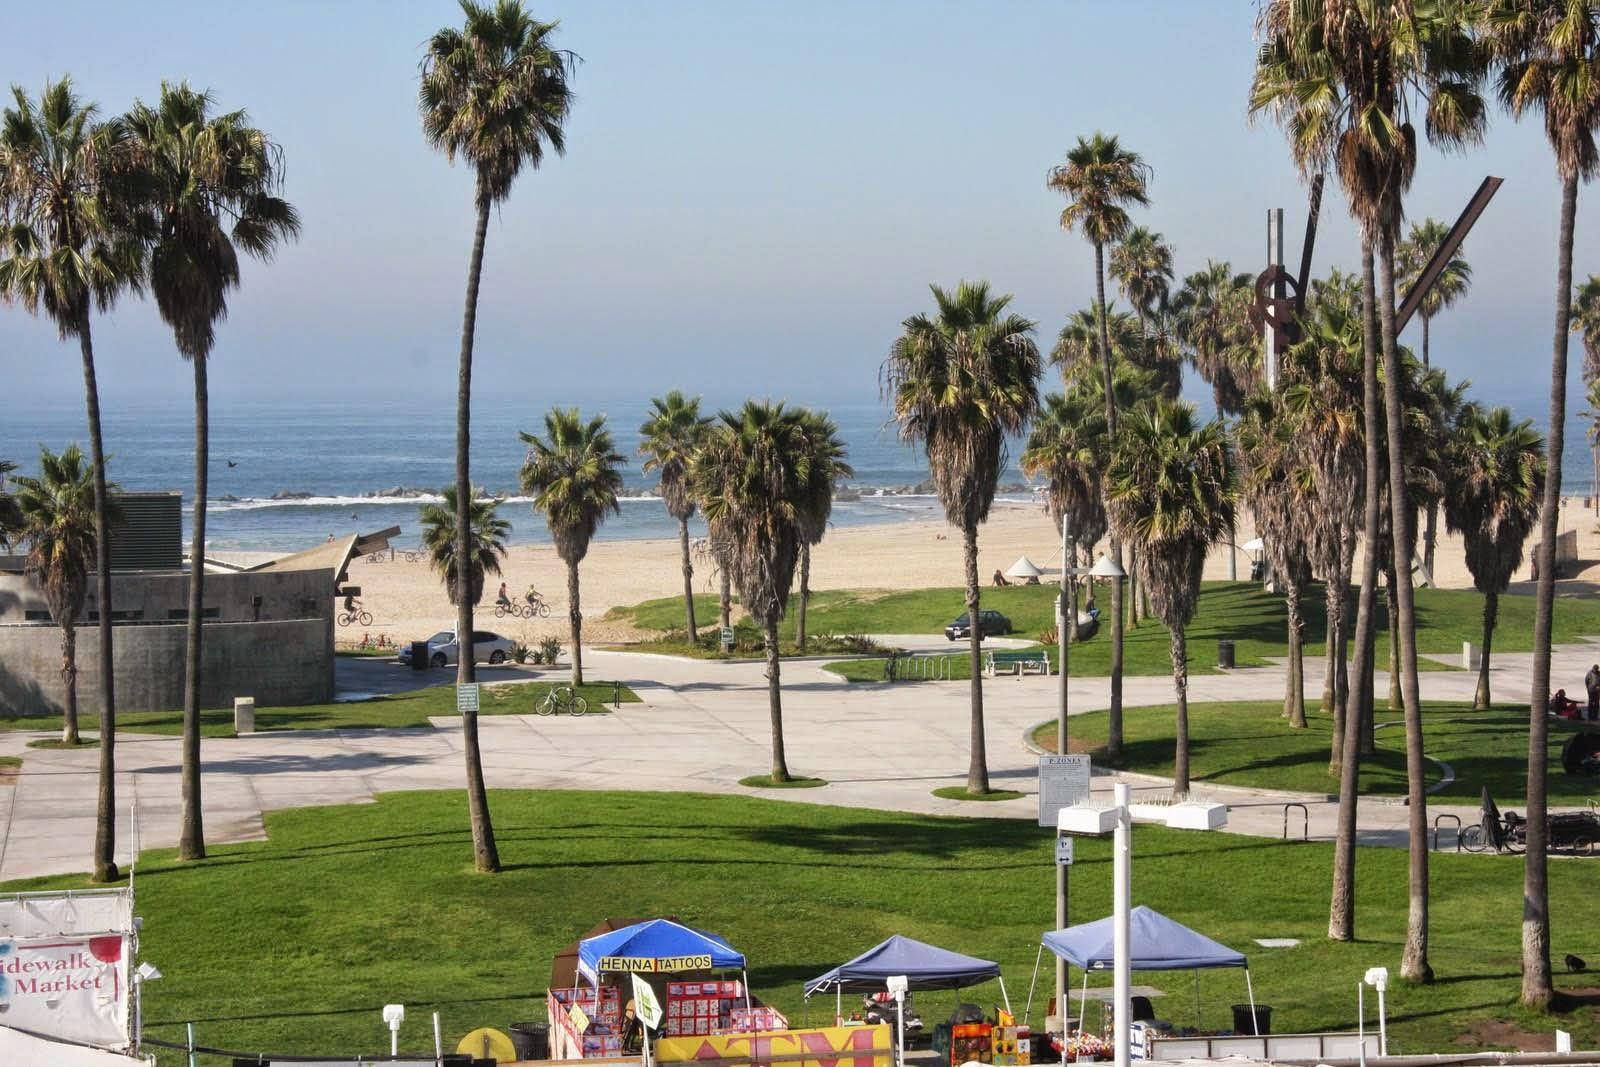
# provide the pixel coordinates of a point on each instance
(407, 601)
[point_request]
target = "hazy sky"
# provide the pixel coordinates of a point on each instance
(753, 197)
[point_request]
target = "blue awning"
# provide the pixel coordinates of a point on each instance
(659, 946)
(1155, 942)
(925, 967)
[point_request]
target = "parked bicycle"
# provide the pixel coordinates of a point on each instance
(414, 555)
(562, 700)
(354, 613)
(376, 557)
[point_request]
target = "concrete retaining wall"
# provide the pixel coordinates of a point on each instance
(279, 663)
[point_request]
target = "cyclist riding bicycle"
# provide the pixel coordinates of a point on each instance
(532, 595)
(349, 603)
(504, 598)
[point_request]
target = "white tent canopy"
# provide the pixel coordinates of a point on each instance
(18, 1049)
(1023, 568)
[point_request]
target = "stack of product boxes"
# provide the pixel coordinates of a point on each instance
(971, 1041)
(604, 1035)
(1013, 1046)
(701, 1007)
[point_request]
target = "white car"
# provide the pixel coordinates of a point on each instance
(443, 650)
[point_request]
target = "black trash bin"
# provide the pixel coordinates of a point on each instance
(1242, 1023)
(531, 1040)
(419, 655)
(1225, 654)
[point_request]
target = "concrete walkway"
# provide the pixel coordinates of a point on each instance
(703, 725)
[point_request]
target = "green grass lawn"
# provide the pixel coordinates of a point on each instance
(1250, 744)
(293, 945)
(1238, 611)
(402, 710)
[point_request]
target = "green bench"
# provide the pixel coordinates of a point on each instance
(1018, 663)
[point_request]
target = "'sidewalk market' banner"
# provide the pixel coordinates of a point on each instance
(828, 1046)
(64, 964)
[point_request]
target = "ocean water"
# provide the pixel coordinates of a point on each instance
(343, 463)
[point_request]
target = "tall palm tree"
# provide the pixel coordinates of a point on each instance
(575, 475)
(1345, 77)
(1142, 265)
(753, 483)
(1591, 415)
(668, 440)
(1067, 448)
(1100, 180)
(1211, 309)
(1586, 320)
(960, 381)
(1451, 284)
(1496, 476)
(58, 526)
(486, 549)
(208, 184)
(495, 94)
(1548, 54)
(825, 467)
(68, 245)
(1170, 490)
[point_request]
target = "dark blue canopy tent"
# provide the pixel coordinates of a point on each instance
(1155, 943)
(924, 966)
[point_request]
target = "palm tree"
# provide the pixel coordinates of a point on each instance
(752, 482)
(668, 440)
(1591, 415)
(1548, 53)
(1100, 179)
(485, 549)
(67, 246)
(1345, 77)
(575, 476)
(1496, 478)
(825, 468)
(207, 183)
(58, 526)
(1170, 490)
(1211, 309)
(10, 516)
(1450, 285)
(1067, 448)
(1142, 265)
(961, 380)
(494, 93)
(1586, 319)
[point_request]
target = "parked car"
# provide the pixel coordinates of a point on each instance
(442, 648)
(989, 622)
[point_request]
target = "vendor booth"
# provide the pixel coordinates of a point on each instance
(1156, 943)
(588, 1019)
(927, 967)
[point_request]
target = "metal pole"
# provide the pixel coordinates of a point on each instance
(1383, 1026)
(1122, 891)
(438, 1040)
(1361, 1022)
(190, 1028)
(1066, 618)
(1269, 355)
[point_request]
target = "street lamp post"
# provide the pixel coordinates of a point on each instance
(1119, 819)
(1103, 568)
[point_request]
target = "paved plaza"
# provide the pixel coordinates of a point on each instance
(702, 726)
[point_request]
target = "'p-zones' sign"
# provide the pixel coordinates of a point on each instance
(1063, 782)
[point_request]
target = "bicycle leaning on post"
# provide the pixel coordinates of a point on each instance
(562, 700)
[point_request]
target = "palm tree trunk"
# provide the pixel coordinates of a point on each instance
(978, 761)
(575, 622)
(1134, 588)
(1180, 686)
(1114, 712)
(485, 856)
(1414, 960)
(688, 580)
(191, 839)
(1491, 608)
(1347, 737)
(69, 678)
(780, 764)
(1294, 705)
(726, 604)
(1536, 983)
(1396, 702)
(1329, 655)
(105, 829)
(805, 597)
(1070, 634)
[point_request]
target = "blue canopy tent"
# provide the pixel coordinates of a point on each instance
(659, 946)
(1155, 942)
(924, 966)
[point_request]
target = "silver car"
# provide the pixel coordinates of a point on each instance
(443, 649)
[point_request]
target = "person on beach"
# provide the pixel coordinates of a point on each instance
(504, 599)
(1591, 682)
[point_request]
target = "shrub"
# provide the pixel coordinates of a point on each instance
(549, 649)
(520, 652)
(1049, 637)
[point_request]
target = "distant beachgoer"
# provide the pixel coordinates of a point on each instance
(330, 539)
(1591, 682)
(1000, 579)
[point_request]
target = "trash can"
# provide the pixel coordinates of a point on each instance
(419, 655)
(1263, 1019)
(531, 1040)
(1225, 654)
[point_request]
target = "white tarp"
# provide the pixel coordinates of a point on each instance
(24, 1050)
(64, 963)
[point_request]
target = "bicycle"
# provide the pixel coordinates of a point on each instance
(534, 605)
(563, 699)
(413, 555)
(356, 614)
(376, 557)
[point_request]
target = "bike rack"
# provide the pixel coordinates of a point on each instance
(1305, 821)
(1436, 819)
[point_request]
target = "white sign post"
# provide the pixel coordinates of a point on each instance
(467, 698)
(1063, 851)
(897, 986)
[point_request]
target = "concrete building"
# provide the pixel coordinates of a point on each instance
(267, 631)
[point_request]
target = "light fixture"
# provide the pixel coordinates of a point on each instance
(1105, 567)
(394, 1015)
(147, 972)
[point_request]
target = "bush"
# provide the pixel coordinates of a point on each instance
(520, 652)
(1049, 637)
(549, 649)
